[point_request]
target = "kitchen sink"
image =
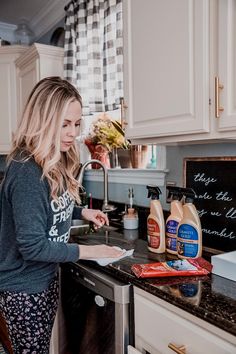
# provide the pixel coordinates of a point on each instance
(79, 228)
(83, 227)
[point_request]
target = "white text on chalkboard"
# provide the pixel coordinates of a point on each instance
(200, 177)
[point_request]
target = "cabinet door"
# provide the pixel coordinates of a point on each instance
(166, 67)
(227, 64)
(27, 77)
(8, 98)
(8, 104)
(39, 61)
(160, 328)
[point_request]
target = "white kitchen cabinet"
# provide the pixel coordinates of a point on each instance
(161, 328)
(173, 50)
(37, 62)
(226, 68)
(8, 96)
(166, 67)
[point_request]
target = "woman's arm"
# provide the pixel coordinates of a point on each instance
(99, 251)
(96, 216)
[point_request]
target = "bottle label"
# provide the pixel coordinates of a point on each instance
(153, 231)
(187, 243)
(171, 235)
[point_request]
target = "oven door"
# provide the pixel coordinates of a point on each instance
(96, 312)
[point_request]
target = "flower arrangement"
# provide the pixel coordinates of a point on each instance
(107, 133)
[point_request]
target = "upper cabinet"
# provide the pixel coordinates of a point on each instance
(20, 69)
(37, 62)
(8, 96)
(172, 53)
(166, 67)
(226, 65)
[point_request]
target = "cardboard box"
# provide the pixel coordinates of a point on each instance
(225, 265)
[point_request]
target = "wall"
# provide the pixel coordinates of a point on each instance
(119, 192)
(47, 37)
(175, 156)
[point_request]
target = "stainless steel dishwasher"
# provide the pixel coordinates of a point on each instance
(97, 312)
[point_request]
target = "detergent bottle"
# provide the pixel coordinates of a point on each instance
(155, 222)
(172, 222)
(189, 233)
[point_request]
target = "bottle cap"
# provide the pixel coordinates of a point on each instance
(153, 191)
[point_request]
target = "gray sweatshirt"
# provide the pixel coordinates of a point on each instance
(34, 230)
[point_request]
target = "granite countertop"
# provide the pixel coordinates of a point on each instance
(210, 298)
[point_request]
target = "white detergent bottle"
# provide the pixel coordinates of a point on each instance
(155, 222)
(173, 220)
(189, 234)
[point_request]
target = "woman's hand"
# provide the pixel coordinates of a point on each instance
(96, 216)
(99, 251)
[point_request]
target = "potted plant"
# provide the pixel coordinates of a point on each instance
(104, 140)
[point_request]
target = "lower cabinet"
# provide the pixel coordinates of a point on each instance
(161, 328)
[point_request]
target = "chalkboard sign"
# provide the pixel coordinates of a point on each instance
(214, 182)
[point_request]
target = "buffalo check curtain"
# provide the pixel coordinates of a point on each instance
(93, 60)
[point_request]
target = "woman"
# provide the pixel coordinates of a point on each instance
(37, 200)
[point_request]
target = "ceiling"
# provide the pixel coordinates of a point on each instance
(41, 15)
(12, 11)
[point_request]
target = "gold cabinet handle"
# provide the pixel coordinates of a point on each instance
(218, 87)
(178, 350)
(123, 107)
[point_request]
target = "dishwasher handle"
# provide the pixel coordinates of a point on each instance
(101, 284)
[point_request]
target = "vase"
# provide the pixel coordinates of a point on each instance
(102, 154)
(114, 160)
(124, 157)
(139, 156)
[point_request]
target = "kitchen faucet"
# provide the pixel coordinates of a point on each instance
(105, 207)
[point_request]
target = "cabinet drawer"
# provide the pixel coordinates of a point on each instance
(156, 327)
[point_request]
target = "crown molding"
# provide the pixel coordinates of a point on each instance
(7, 26)
(7, 31)
(40, 24)
(48, 17)
(13, 49)
(37, 50)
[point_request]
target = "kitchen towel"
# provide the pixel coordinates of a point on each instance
(105, 261)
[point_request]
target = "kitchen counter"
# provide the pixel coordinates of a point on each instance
(210, 298)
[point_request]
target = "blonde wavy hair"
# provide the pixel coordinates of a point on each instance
(38, 135)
